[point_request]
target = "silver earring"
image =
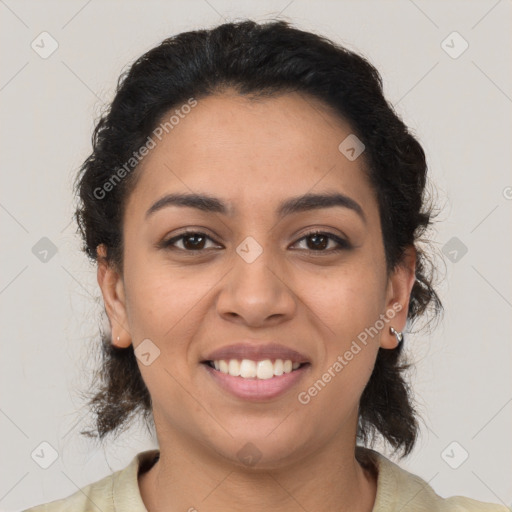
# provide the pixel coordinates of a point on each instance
(398, 335)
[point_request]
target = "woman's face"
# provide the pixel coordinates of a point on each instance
(251, 277)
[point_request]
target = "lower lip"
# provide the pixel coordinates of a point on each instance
(257, 389)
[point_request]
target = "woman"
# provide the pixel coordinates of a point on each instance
(253, 205)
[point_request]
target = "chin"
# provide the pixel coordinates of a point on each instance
(256, 451)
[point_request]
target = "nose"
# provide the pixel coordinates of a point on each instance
(257, 291)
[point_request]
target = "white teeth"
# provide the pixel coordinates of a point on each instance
(234, 367)
(223, 366)
(265, 369)
(249, 369)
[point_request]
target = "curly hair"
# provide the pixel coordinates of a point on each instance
(260, 59)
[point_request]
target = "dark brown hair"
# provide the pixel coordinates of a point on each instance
(259, 59)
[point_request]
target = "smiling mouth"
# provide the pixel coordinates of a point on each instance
(255, 370)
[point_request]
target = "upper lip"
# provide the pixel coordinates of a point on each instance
(256, 352)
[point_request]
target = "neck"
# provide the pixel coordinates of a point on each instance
(326, 480)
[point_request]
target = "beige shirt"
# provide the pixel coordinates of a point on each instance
(397, 490)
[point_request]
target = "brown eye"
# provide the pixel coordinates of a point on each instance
(194, 241)
(191, 241)
(318, 241)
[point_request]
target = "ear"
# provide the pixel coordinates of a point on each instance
(398, 293)
(112, 289)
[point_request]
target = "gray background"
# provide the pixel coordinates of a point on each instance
(49, 303)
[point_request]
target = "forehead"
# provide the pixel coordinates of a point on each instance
(252, 151)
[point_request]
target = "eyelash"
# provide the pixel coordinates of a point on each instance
(343, 244)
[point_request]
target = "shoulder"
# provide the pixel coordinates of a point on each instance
(118, 491)
(398, 489)
(95, 496)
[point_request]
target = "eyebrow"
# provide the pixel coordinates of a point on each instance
(288, 207)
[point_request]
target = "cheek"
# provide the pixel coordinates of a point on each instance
(347, 299)
(164, 303)
(348, 304)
